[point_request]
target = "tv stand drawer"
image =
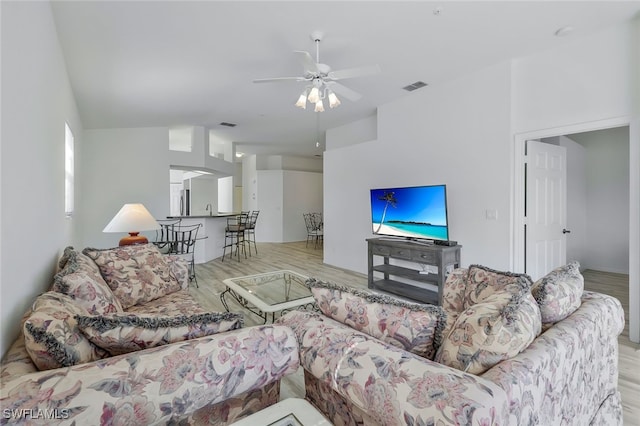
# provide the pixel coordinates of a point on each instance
(424, 256)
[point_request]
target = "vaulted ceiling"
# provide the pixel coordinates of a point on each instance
(177, 63)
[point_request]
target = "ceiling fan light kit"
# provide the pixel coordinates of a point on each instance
(321, 81)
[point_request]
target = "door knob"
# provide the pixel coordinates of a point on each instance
(566, 231)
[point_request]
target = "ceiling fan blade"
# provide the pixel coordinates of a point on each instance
(278, 79)
(354, 72)
(341, 90)
(307, 60)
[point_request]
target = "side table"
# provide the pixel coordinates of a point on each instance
(288, 412)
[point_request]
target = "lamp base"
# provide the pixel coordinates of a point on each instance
(133, 238)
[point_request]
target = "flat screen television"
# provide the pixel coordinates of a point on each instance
(415, 212)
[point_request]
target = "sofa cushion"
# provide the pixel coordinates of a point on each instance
(123, 333)
(178, 303)
(136, 274)
(559, 292)
(80, 279)
(500, 319)
(52, 337)
(414, 327)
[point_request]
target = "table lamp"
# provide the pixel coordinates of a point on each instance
(132, 218)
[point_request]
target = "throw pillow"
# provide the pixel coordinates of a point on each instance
(453, 296)
(52, 337)
(483, 282)
(80, 279)
(498, 320)
(123, 333)
(136, 274)
(414, 327)
(488, 333)
(559, 293)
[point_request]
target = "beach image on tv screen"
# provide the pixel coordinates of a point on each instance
(411, 212)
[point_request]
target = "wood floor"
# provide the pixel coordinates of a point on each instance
(308, 261)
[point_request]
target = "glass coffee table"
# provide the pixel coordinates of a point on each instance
(288, 412)
(268, 293)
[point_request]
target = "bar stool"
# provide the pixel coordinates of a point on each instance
(250, 230)
(234, 237)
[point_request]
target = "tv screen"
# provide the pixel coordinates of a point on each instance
(410, 212)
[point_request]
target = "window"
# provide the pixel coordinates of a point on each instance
(68, 171)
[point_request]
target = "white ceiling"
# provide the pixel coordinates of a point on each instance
(176, 63)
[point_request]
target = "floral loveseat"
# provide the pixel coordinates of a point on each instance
(118, 340)
(500, 351)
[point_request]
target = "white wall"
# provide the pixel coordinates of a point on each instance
(455, 134)
(123, 166)
(270, 199)
(302, 194)
(249, 184)
(576, 201)
(591, 79)
(463, 133)
(204, 190)
(225, 194)
(607, 182)
(36, 101)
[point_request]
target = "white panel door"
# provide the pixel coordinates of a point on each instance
(546, 208)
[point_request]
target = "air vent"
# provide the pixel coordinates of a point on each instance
(224, 123)
(414, 86)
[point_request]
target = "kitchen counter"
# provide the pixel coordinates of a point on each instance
(204, 216)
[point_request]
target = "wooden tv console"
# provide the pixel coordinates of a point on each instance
(411, 276)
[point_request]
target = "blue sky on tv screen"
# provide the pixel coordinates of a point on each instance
(425, 204)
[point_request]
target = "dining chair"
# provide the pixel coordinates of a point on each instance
(183, 242)
(314, 229)
(165, 233)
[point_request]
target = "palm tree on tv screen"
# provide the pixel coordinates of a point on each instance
(389, 199)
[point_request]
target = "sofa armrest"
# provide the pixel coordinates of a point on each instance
(570, 369)
(386, 383)
(179, 267)
(155, 385)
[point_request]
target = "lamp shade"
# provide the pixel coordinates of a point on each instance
(132, 218)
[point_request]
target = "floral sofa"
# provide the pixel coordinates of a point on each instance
(118, 340)
(501, 350)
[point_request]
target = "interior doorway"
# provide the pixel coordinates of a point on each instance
(598, 200)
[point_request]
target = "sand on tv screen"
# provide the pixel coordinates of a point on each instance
(410, 212)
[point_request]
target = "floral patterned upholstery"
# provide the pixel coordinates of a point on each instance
(80, 279)
(214, 380)
(560, 378)
(376, 383)
(453, 296)
(569, 374)
(52, 336)
(172, 304)
(136, 274)
(123, 333)
(414, 327)
(204, 381)
(558, 293)
(483, 335)
(499, 319)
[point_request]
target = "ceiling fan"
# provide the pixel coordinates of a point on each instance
(322, 82)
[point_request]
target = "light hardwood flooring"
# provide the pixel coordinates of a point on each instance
(308, 261)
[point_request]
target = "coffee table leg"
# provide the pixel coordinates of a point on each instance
(224, 302)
